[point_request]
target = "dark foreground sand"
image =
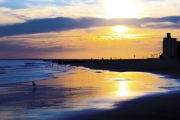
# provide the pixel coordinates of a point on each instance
(157, 107)
(164, 106)
(160, 107)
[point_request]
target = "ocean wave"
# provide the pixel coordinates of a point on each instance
(15, 71)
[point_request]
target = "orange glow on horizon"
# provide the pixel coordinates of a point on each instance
(97, 42)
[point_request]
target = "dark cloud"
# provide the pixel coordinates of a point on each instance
(162, 25)
(12, 48)
(62, 24)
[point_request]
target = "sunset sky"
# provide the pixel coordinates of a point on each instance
(86, 28)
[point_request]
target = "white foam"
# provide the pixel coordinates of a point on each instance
(28, 70)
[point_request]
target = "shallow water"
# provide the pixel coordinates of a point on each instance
(16, 71)
(77, 91)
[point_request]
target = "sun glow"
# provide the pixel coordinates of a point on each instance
(119, 29)
(121, 9)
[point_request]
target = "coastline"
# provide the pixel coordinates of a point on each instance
(157, 106)
(169, 67)
(164, 106)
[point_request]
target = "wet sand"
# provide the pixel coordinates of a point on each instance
(157, 107)
(76, 87)
(162, 106)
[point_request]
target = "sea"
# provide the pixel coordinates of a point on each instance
(16, 71)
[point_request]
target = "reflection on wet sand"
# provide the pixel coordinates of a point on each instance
(81, 88)
(123, 88)
(87, 84)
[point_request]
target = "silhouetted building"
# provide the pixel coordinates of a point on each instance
(170, 47)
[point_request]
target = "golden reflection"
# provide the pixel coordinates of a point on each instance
(108, 83)
(81, 84)
(123, 88)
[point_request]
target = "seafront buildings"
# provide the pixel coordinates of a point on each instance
(171, 47)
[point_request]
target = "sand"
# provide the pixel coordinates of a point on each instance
(164, 106)
(156, 107)
(167, 67)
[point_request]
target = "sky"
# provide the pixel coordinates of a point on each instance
(69, 29)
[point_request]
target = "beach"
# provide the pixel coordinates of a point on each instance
(169, 67)
(116, 89)
(161, 106)
(157, 107)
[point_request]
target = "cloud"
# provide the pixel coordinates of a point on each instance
(39, 9)
(10, 19)
(162, 25)
(49, 11)
(18, 4)
(14, 48)
(64, 23)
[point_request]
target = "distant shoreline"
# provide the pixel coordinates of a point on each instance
(159, 66)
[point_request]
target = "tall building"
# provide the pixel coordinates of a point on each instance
(170, 47)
